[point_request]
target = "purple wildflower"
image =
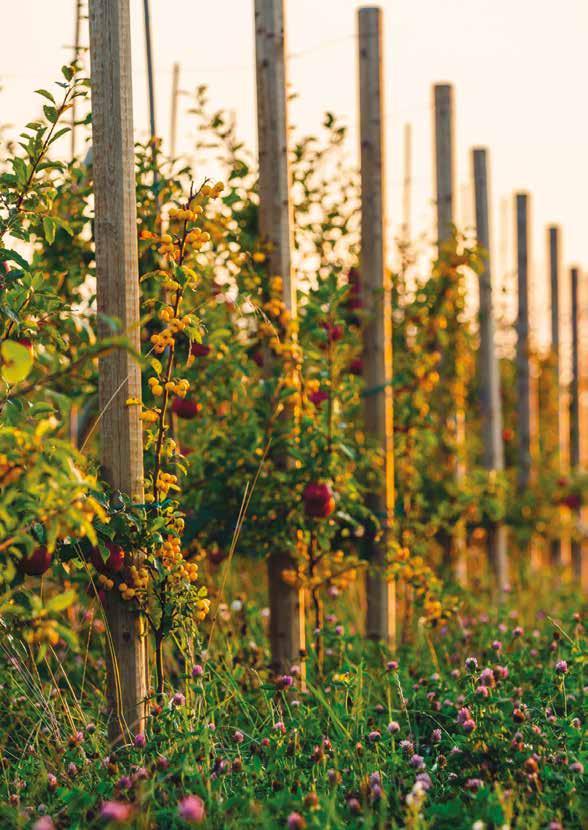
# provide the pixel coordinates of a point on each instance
(117, 811)
(191, 809)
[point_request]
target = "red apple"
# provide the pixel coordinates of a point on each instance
(318, 397)
(38, 562)
(26, 342)
(113, 564)
(185, 407)
(573, 501)
(319, 501)
(356, 366)
(334, 331)
(200, 350)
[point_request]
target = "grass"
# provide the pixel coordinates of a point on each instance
(435, 741)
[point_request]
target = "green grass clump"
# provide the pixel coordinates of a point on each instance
(476, 725)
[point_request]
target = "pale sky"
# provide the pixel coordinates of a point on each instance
(518, 68)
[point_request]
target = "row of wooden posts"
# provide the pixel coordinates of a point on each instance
(118, 297)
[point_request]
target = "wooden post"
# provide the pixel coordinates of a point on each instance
(575, 458)
(489, 377)
(444, 160)
(149, 57)
(287, 634)
(523, 341)
(377, 334)
(455, 548)
(554, 268)
(174, 109)
(115, 229)
(76, 55)
(407, 184)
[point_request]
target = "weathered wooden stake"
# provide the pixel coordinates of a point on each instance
(76, 55)
(444, 160)
(445, 200)
(488, 368)
(149, 59)
(523, 344)
(407, 185)
(575, 457)
(287, 634)
(174, 109)
(117, 291)
(554, 268)
(377, 334)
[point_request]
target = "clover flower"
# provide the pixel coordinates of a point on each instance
(116, 811)
(191, 809)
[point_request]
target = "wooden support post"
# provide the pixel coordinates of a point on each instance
(455, 548)
(444, 160)
(523, 344)
(115, 229)
(575, 458)
(488, 368)
(287, 631)
(554, 279)
(377, 334)
(174, 109)
(76, 55)
(149, 57)
(407, 185)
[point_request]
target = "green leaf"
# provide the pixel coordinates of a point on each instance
(49, 226)
(61, 601)
(58, 134)
(20, 170)
(64, 224)
(11, 256)
(42, 410)
(50, 114)
(45, 94)
(17, 361)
